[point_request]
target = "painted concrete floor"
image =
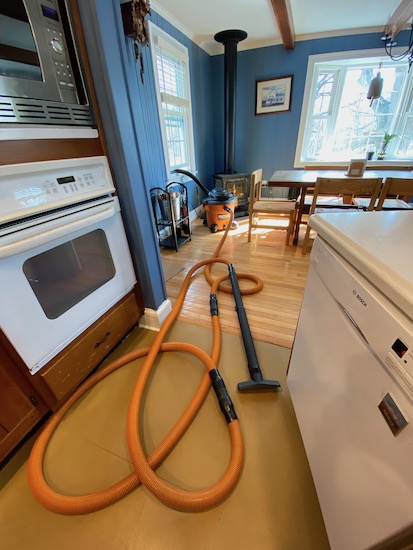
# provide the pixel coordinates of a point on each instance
(274, 505)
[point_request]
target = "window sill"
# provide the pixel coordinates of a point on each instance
(371, 165)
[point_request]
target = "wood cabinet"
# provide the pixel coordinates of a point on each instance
(17, 151)
(67, 370)
(25, 399)
(21, 407)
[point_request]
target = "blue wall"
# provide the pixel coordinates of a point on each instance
(130, 119)
(269, 141)
(122, 116)
(129, 114)
(201, 93)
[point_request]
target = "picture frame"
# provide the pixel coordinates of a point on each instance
(273, 95)
(356, 168)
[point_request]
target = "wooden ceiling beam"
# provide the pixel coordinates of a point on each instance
(284, 21)
(399, 19)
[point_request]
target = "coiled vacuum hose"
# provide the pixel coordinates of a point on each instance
(179, 499)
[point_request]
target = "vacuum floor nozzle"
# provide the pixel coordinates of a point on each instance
(263, 385)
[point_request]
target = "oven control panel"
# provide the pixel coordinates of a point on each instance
(44, 186)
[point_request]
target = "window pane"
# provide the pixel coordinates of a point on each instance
(325, 82)
(405, 148)
(317, 136)
(355, 119)
(171, 74)
(171, 65)
(344, 124)
(176, 135)
(359, 123)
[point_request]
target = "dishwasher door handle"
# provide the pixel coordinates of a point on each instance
(353, 323)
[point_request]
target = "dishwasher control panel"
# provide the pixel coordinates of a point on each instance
(399, 361)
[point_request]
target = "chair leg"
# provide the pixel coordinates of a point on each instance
(250, 226)
(290, 228)
(306, 240)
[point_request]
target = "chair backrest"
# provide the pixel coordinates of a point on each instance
(347, 186)
(395, 186)
(255, 189)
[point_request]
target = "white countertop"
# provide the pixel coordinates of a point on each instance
(379, 245)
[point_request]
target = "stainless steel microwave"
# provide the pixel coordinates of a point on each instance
(40, 74)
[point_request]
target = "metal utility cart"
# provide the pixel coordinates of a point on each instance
(171, 214)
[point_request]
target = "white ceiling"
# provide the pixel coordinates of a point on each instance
(201, 20)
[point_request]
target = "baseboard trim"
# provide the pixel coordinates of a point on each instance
(153, 319)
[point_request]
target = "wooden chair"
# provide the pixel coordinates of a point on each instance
(339, 187)
(327, 201)
(399, 189)
(394, 195)
(278, 209)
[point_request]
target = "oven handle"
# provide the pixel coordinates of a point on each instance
(30, 238)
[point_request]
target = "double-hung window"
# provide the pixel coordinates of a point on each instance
(171, 68)
(339, 122)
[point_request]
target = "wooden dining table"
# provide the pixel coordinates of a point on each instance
(303, 179)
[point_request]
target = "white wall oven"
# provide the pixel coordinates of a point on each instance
(64, 256)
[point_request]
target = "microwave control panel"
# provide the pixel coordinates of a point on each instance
(55, 37)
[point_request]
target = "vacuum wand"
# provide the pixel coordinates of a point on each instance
(257, 381)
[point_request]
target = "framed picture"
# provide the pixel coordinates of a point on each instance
(356, 168)
(273, 95)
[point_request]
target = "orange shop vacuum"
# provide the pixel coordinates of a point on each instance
(217, 217)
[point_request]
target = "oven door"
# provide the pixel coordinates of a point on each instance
(58, 277)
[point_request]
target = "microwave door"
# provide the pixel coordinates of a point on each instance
(34, 56)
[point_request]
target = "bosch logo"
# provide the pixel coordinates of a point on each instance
(359, 298)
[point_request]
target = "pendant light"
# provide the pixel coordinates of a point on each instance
(376, 87)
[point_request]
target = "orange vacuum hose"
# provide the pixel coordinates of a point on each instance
(145, 467)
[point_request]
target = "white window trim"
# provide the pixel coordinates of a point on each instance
(309, 84)
(156, 34)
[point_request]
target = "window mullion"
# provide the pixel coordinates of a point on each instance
(174, 100)
(335, 100)
(404, 112)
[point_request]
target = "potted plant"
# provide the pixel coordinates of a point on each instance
(385, 141)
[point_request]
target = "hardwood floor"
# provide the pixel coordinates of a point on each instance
(273, 312)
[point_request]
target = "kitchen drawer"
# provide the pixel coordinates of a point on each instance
(64, 373)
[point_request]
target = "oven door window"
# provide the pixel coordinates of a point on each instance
(18, 53)
(65, 275)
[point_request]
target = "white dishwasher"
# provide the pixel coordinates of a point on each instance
(351, 377)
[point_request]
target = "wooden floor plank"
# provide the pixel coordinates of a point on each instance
(272, 313)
